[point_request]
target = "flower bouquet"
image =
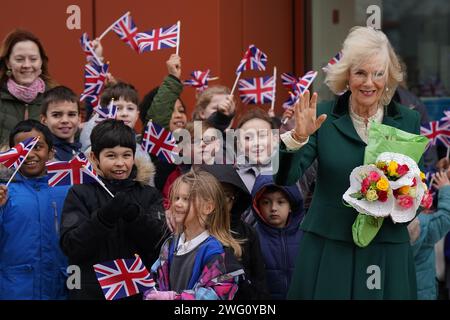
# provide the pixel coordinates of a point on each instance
(394, 153)
(370, 192)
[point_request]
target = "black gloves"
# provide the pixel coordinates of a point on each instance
(120, 206)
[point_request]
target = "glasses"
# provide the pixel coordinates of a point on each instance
(206, 140)
(363, 75)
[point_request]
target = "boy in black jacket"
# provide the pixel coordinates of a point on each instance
(98, 228)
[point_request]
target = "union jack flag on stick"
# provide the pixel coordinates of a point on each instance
(299, 87)
(156, 39)
(16, 156)
(94, 81)
(76, 171)
(122, 278)
(91, 57)
(127, 31)
(254, 59)
(108, 112)
(333, 61)
(256, 90)
(159, 142)
(199, 80)
(437, 132)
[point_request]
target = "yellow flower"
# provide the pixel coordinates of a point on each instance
(404, 190)
(392, 169)
(371, 195)
(422, 176)
(383, 184)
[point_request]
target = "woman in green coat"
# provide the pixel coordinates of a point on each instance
(24, 78)
(329, 265)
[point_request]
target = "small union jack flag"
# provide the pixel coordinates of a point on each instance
(14, 157)
(257, 90)
(254, 59)
(127, 30)
(94, 81)
(333, 61)
(199, 80)
(300, 87)
(122, 278)
(76, 171)
(85, 45)
(289, 80)
(156, 39)
(108, 112)
(159, 142)
(446, 117)
(437, 132)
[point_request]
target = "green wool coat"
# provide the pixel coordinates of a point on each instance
(329, 265)
(13, 110)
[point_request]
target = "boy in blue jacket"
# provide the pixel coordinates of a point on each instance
(32, 266)
(433, 227)
(278, 211)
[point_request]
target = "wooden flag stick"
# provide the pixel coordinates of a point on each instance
(178, 38)
(94, 55)
(98, 180)
(274, 87)
(111, 26)
(235, 83)
(18, 167)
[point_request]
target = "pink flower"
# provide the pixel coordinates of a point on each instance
(402, 169)
(427, 200)
(405, 201)
(365, 185)
(373, 176)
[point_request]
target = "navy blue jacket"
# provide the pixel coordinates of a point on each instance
(279, 246)
(65, 151)
(32, 266)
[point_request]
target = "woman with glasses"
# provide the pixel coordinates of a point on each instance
(329, 265)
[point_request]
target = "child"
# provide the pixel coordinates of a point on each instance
(256, 146)
(279, 213)
(432, 227)
(32, 265)
(60, 112)
(98, 228)
(237, 200)
(216, 106)
(163, 104)
(126, 100)
(198, 262)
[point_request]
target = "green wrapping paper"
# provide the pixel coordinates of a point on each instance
(383, 138)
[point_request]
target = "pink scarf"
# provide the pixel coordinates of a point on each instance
(23, 93)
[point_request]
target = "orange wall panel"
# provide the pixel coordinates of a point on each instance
(214, 35)
(47, 20)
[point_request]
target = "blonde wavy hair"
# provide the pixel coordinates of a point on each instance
(204, 187)
(362, 44)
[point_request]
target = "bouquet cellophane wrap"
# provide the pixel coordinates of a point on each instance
(383, 138)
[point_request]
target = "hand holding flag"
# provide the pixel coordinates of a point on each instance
(122, 278)
(16, 156)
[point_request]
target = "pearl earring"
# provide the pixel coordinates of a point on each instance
(9, 72)
(387, 89)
